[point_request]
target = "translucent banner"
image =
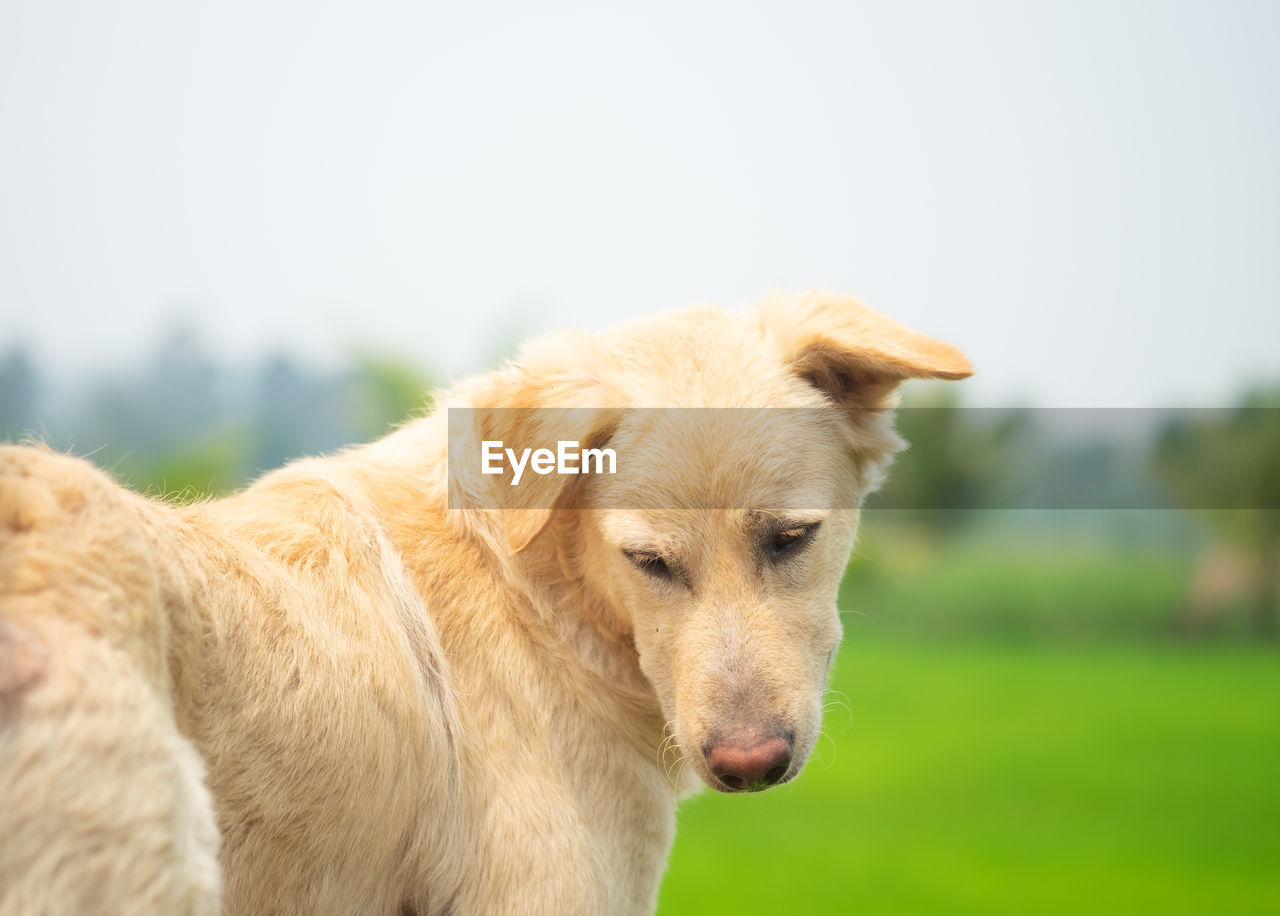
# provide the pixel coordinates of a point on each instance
(829, 458)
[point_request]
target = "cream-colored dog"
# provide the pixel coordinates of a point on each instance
(333, 693)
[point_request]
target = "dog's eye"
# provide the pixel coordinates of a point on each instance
(649, 563)
(790, 540)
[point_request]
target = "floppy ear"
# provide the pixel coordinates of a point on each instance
(527, 506)
(855, 355)
(553, 393)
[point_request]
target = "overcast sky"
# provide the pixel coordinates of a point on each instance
(1085, 196)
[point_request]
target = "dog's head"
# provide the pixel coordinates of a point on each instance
(746, 444)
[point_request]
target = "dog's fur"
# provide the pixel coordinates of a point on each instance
(331, 693)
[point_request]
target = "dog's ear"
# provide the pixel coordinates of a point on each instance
(554, 392)
(528, 505)
(855, 355)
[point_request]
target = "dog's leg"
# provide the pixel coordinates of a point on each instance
(102, 802)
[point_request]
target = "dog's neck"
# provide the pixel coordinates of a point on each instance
(574, 613)
(560, 609)
(552, 573)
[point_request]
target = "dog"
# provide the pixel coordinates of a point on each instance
(396, 680)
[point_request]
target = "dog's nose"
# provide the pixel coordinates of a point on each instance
(751, 764)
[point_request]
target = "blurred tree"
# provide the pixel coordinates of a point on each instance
(383, 391)
(1226, 465)
(307, 413)
(958, 460)
(184, 386)
(175, 398)
(20, 391)
(211, 465)
(294, 414)
(184, 425)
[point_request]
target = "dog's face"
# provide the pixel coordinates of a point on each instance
(748, 443)
(731, 598)
(736, 627)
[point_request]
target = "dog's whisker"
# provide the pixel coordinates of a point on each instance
(838, 701)
(837, 694)
(670, 756)
(669, 745)
(670, 762)
(835, 748)
(681, 765)
(838, 706)
(676, 771)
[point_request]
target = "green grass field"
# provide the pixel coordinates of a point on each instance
(1011, 778)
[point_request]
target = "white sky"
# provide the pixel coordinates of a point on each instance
(1085, 196)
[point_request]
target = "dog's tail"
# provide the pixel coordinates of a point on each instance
(102, 802)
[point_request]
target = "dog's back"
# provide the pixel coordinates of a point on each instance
(312, 680)
(132, 637)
